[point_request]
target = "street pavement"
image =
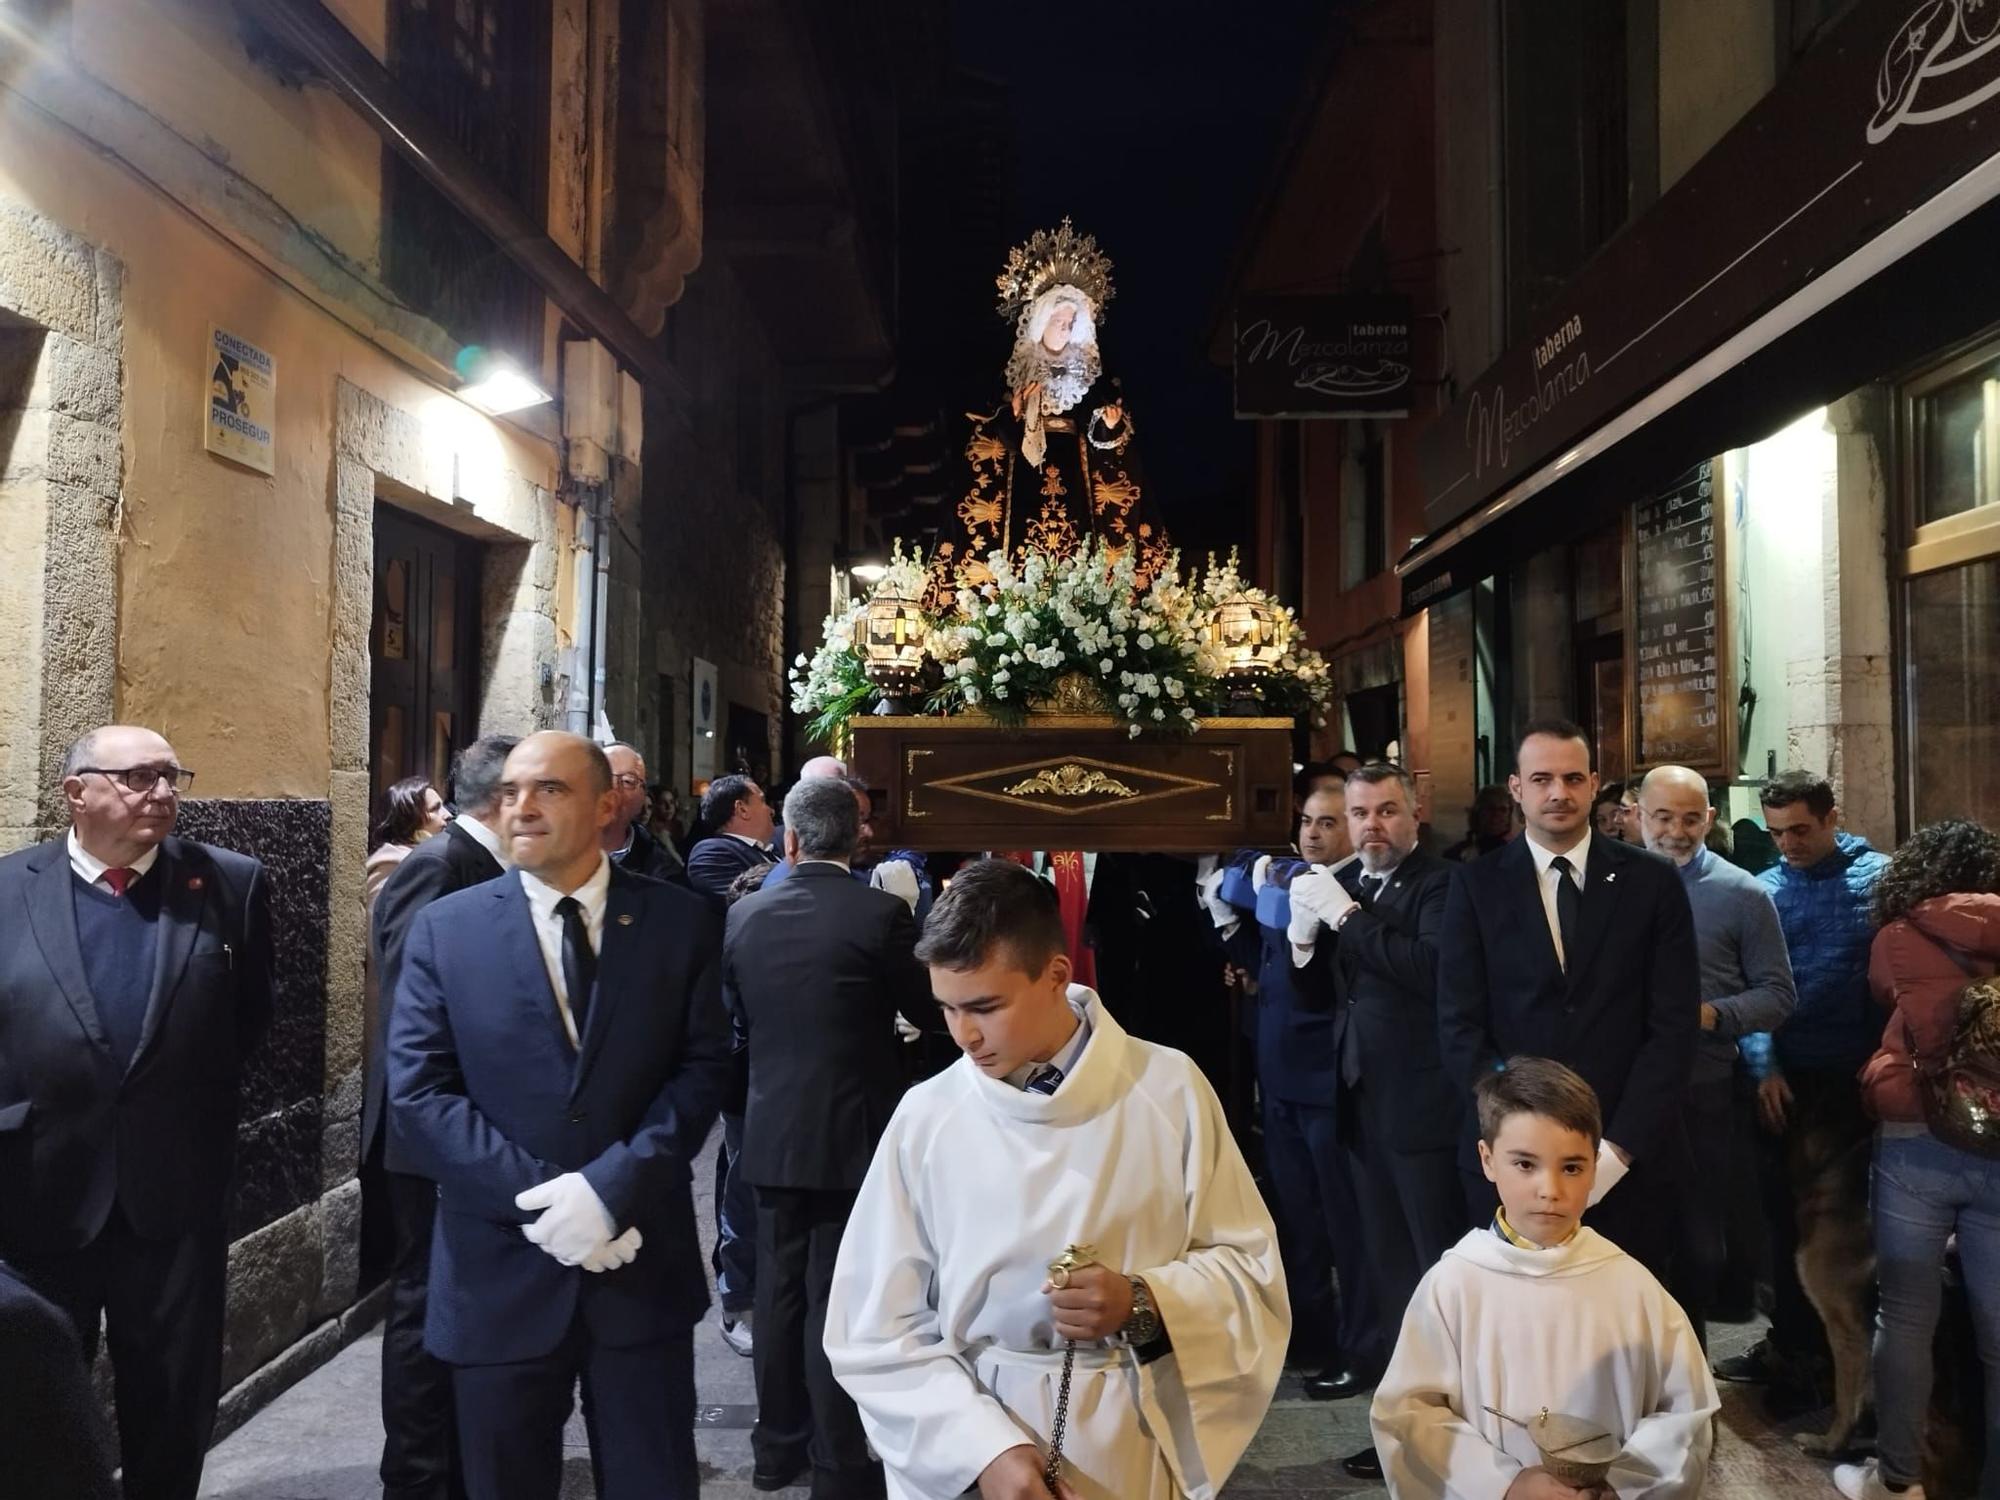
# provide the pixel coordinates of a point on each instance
(322, 1438)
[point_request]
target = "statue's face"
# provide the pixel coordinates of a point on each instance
(1055, 335)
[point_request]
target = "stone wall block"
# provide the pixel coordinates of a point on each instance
(347, 931)
(110, 303)
(85, 454)
(83, 382)
(340, 1138)
(340, 1245)
(47, 275)
(275, 1278)
(353, 596)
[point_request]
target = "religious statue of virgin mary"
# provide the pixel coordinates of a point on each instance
(1057, 460)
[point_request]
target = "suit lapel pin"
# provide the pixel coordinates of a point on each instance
(625, 919)
(194, 882)
(1611, 877)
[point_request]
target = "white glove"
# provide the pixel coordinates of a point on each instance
(897, 878)
(1220, 912)
(574, 1221)
(1305, 925)
(1610, 1172)
(612, 1254)
(1260, 872)
(1320, 892)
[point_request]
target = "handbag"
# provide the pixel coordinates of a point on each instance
(1960, 1090)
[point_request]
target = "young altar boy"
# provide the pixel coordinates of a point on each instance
(1055, 1132)
(1539, 1311)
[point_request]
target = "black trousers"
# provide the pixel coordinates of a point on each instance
(419, 1438)
(638, 1405)
(802, 1413)
(1703, 1247)
(1311, 1179)
(735, 1257)
(161, 1302)
(1412, 1208)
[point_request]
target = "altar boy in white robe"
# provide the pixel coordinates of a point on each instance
(1540, 1312)
(1055, 1130)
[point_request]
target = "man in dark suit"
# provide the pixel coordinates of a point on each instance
(135, 983)
(419, 1453)
(816, 970)
(1581, 949)
(1400, 1115)
(1298, 1081)
(739, 821)
(556, 1049)
(628, 841)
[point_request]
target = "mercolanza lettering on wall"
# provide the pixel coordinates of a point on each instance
(1492, 426)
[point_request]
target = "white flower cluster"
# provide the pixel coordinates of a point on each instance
(827, 674)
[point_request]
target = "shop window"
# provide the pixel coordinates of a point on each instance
(1364, 505)
(1958, 432)
(480, 69)
(1951, 591)
(1954, 693)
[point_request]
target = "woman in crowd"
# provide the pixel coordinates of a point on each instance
(1938, 907)
(412, 811)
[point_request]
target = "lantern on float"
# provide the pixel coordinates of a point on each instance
(889, 637)
(1246, 629)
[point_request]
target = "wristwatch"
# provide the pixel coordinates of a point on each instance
(1143, 1326)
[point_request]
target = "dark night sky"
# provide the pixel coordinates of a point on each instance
(1154, 127)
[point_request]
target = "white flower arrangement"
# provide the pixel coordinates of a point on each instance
(1149, 654)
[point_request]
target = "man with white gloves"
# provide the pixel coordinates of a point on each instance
(1298, 1082)
(557, 1051)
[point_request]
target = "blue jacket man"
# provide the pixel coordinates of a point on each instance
(1825, 910)
(1824, 890)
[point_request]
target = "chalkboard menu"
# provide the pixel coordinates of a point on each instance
(1677, 546)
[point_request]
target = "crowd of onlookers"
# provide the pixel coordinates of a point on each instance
(1768, 1011)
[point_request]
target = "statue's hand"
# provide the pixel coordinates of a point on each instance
(1112, 415)
(1026, 394)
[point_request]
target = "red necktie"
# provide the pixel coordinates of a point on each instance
(117, 879)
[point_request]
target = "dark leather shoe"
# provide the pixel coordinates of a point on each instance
(778, 1479)
(1338, 1385)
(1363, 1465)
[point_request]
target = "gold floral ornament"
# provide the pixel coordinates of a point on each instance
(1070, 780)
(1052, 258)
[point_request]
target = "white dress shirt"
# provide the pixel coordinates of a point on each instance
(1067, 1056)
(1579, 859)
(485, 838)
(542, 899)
(90, 869)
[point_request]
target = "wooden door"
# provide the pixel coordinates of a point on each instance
(423, 705)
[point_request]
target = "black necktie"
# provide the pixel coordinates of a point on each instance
(1371, 887)
(1569, 906)
(579, 961)
(1046, 1081)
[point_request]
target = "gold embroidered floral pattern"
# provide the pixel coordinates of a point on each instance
(1070, 780)
(1052, 533)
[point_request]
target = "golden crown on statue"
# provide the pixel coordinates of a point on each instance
(1052, 258)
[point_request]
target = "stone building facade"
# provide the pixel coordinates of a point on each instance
(169, 167)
